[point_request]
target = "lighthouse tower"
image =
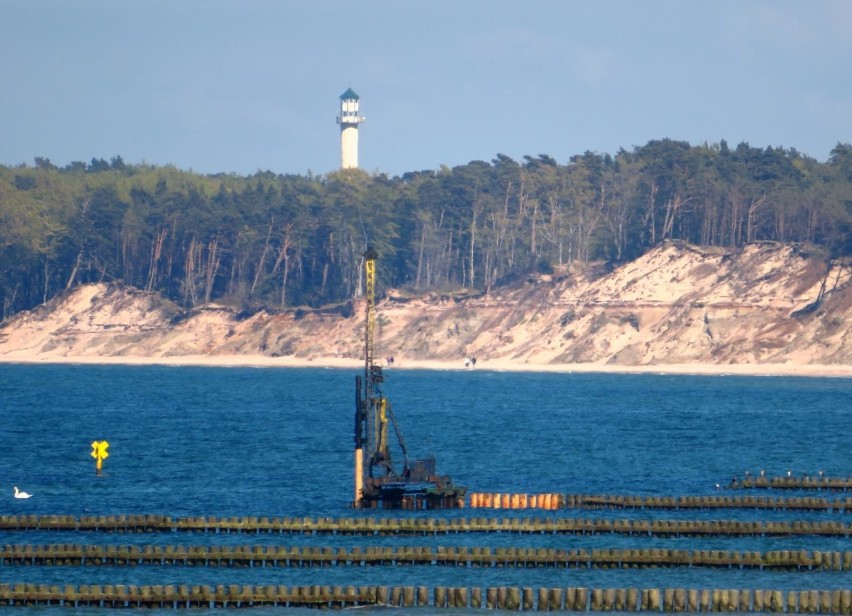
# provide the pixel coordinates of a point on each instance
(349, 121)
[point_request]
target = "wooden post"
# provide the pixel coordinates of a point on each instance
(491, 598)
(501, 598)
(692, 600)
(513, 599)
(476, 597)
(632, 599)
(580, 599)
(542, 600)
(422, 596)
(440, 594)
(597, 600)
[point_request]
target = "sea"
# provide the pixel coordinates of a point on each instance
(277, 442)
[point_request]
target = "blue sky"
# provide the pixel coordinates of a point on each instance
(246, 85)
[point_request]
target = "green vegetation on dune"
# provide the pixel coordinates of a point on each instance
(289, 240)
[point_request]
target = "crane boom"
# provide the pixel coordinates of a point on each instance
(370, 328)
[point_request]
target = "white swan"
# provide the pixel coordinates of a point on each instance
(19, 494)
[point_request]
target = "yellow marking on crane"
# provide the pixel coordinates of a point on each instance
(371, 307)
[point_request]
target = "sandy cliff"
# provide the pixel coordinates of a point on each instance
(678, 304)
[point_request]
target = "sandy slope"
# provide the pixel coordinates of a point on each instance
(677, 309)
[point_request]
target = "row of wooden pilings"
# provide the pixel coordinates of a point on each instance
(317, 556)
(502, 598)
(428, 526)
(838, 484)
(517, 501)
(552, 501)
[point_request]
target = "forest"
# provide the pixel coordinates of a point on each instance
(282, 241)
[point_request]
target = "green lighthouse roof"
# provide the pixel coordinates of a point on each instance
(350, 93)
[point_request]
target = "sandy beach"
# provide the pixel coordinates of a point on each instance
(498, 365)
(676, 310)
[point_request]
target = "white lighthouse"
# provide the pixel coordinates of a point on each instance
(349, 121)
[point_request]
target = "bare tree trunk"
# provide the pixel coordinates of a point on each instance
(212, 268)
(156, 253)
(488, 258)
(284, 279)
(673, 207)
(189, 293)
(324, 278)
(752, 210)
(533, 229)
(284, 257)
(709, 222)
(449, 257)
(472, 275)
(649, 217)
(736, 225)
(259, 270)
(74, 271)
(420, 257)
(83, 209)
(46, 286)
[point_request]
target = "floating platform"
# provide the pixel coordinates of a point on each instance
(414, 496)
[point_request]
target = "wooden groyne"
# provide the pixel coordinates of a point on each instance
(427, 526)
(316, 556)
(834, 484)
(500, 500)
(576, 599)
(487, 500)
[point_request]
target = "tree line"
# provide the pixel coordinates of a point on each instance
(292, 240)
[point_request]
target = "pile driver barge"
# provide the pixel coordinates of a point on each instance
(377, 482)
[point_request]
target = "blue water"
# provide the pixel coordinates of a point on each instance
(278, 442)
